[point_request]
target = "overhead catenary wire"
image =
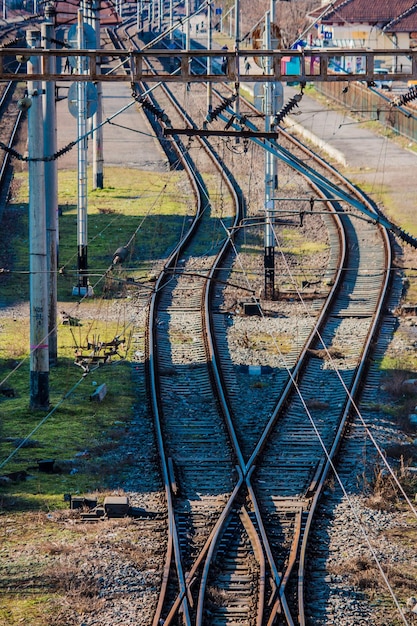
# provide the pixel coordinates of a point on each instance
(351, 399)
(41, 423)
(100, 278)
(322, 444)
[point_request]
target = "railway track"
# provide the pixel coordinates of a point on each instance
(10, 122)
(259, 551)
(245, 447)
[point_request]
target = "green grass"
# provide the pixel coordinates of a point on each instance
(78, 425)
(145, 211)
(406, 361)
(294, 242)
(78, 433)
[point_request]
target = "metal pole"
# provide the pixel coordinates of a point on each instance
(276, 94)
(209, 59)
(187, 25)
(4, 10)
(98, 160)
(269, 243)
(51, 184)
(82, 288)
(39, 350)
(152, 18)
(237, 45)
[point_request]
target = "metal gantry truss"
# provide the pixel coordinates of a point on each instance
(316, 65)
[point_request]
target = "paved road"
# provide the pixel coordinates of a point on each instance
(388, 172)
(127, 142)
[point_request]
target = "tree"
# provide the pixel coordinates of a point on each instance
(291, 16)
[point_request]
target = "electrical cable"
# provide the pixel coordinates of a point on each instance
(322, 444)
(100, 278)
(349, 396)
(40, 423)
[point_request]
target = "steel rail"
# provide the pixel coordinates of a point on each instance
(249, 467)
(296, 370)
(8, 92)
(219, 387)
(207, 297)
(7, 158)
(278, 603)
(327, 464)
(156, 403)
(209, 542)
(281, 599)
(315, 487)
(173, 546)
(204, 579)
(283, 581)
(350, 406)
(210, 545)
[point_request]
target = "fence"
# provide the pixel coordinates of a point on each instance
(368, 105)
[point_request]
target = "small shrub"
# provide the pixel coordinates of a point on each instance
(382, 491)
(393, 383)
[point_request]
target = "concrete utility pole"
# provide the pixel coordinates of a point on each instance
(171, 19)
(51, 184)
(209, 59)
(270, 177)
(39, 349)
(152, 18)
(138, 16)
(83, 288)
(160, 15)
(98, 161)
(187, 25)
(237, 46)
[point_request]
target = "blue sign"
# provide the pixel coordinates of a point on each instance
(219, 10)
(90, 103)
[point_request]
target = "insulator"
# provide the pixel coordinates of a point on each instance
(159, 113)
(408, 238)
(120, 255)
(229, 123)
(213, 115)
(23, 104)
(405, 97)
(287, 108)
